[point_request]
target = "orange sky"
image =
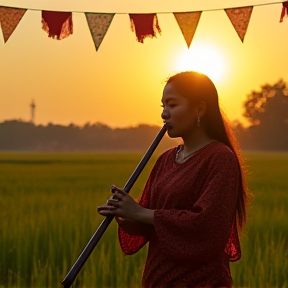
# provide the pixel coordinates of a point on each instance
(121, 84)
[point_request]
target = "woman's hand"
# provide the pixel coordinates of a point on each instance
(121, 204)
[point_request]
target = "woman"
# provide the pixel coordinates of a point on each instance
(194, 201)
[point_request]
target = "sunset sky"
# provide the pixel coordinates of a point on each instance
(121, 84)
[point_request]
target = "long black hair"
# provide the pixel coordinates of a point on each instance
(198, 87)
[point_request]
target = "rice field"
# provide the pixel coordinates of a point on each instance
(48, 214)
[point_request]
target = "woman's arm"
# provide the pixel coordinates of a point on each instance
(134, 227)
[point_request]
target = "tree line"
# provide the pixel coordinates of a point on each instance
(17, 135)
(266, 110)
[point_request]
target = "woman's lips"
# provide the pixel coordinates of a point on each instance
(169, 126)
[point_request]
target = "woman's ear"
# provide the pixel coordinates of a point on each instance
(201, 109)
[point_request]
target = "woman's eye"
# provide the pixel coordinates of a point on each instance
(169, 105)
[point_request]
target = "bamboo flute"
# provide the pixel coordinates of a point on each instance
(72, 274)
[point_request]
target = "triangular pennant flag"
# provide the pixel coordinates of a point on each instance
(240, 18)
(58, 25)
(284, 10)
(144, 25)
(188, 22)
(9, 19)
(98, 25)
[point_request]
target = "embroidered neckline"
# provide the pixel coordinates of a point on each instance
(187, 157)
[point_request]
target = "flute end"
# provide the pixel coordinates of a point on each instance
(65, 284)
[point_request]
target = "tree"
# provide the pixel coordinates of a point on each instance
(267, 111)
(269, 103)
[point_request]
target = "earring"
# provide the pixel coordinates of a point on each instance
(198, 121)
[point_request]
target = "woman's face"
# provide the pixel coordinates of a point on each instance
(178, 113)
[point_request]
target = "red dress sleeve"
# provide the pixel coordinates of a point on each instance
(131, 244)
(203, 231)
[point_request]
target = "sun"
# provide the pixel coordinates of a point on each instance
(203, 58)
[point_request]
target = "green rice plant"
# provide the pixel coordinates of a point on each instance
(48, 214)
(48, 211)
(265, 239)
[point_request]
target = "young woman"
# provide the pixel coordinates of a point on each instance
(194, 201)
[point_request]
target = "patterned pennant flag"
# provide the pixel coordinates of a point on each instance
(9, 19)
(284, 10)
(144, 25)
(240, 18)
(98, 25)
(188, 22)
(58, 25)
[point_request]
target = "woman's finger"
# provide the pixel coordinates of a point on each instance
(113, 202)
(105, 208)
(117, 196)
(115, 189)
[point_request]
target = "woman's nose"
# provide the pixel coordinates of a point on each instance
(165, 114)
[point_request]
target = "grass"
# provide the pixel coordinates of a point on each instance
(265, 242)
(48, 214)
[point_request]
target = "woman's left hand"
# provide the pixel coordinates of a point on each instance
(123, 205)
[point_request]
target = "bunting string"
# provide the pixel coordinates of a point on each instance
(157, 12)
(59, 25)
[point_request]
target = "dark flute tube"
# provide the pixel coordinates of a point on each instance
(72, 274)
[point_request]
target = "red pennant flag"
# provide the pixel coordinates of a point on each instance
(57, 24)
(144, 25)
(9, 19)
(284, 10)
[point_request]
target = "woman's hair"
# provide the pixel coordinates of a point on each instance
(198, 87)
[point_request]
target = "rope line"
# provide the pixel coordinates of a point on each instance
(167, 12)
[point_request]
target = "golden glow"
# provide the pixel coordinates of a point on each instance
(203, 58)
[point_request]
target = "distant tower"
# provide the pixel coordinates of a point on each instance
(33, 106)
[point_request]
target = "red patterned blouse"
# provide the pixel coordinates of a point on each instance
(194, 234)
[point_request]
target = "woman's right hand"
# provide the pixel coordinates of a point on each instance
(121, 204)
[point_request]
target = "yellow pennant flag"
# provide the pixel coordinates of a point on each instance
(188, 22)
